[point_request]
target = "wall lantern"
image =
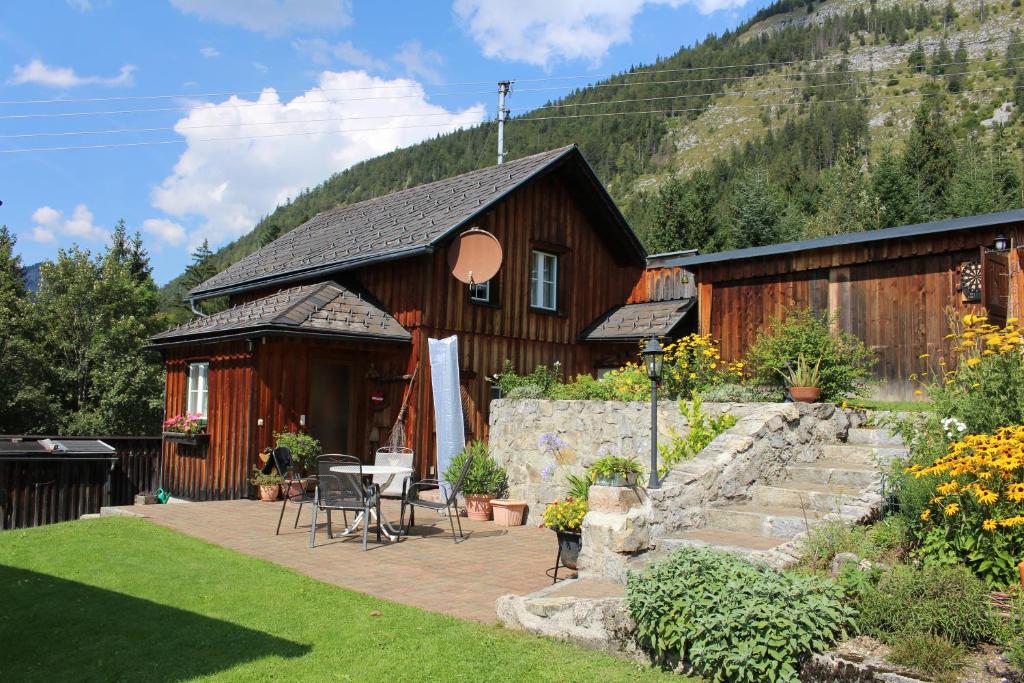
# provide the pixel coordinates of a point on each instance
(1002, 243)
(654, 357)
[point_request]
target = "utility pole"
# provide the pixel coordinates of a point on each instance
(504, 88)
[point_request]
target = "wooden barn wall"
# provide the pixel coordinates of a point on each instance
(661, 284)
(895, 296)
(219, 469)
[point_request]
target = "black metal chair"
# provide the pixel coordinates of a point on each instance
(281, 460)
(345, 491)
(411, 498)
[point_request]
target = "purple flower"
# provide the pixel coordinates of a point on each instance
(551, 442)
(547, 472)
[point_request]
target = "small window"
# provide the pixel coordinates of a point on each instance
(198, 388)
(544, 281)
(480, 292)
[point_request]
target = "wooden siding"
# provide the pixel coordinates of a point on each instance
(661, 284)
(895, 296)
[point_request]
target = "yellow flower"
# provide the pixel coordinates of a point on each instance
(951, 509)
(926, 514)
(989, 525)
(973, 361)
(985, 497)
(923, 355)
(918, 392)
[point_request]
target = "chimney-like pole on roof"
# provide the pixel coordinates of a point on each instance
(504, 87)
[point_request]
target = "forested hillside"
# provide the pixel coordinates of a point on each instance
(810, 119)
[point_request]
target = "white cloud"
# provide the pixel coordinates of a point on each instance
(543, 32)
(164, 230)
(209, 52)
(80, 5)
(419, 62)
(272, 16)
(323, 52)
(230, 184)
(65, 77)
(261, 67)
(49, 223)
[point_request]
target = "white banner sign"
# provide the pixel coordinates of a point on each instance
(448, 421)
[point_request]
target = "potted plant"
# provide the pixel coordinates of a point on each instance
(485, 481)
(268, 484)
(803, 380)
(565, 518)
(304, 448)
(508, 512)
(188, 429)
(612, 470)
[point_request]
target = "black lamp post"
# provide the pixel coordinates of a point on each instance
(654, 356)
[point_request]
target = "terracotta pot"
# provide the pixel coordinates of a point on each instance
(478, 506)
(508, 512)
(805, 394)
(269, 493)
(569, 543)
(294, 489)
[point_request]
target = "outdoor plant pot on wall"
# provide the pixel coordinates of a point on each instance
(269, 492)
(478, 506)
(805, 394)
(508, 512)
(616, 479)
(187, 439)
(569, 545)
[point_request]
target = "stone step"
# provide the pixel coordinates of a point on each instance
(793, 494)
(729, 541)
(864, 455)
(776, 522)
(872, 436)
(828, 471)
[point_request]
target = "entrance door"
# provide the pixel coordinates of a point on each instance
(330, 406)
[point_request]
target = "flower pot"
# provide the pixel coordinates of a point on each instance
(805, 394)
(508, 512)
(294, 489)
(183, 439)
(569, 543)
(478, 506)
(617, 480)
(269, 493)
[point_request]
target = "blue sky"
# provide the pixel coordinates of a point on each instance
(194, 118)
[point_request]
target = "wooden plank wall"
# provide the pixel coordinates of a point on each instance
(894, 295)
(661, 284)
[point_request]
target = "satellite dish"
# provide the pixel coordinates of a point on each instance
(475, 256)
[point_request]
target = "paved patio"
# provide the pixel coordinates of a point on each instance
(424, 570)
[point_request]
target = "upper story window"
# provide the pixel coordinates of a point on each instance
(543, 280)
(198, 388)
(480, 292)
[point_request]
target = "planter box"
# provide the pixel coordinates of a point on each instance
(508, 512)
(187, 439)
(617, 480)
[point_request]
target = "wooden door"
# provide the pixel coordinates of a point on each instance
(995, 285)
(330, 406)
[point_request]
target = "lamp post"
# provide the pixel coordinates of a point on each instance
(654, 356)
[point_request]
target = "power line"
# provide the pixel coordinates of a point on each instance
(530, 119)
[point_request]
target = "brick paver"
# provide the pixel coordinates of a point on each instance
(426, 569)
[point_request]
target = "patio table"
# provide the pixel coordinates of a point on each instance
(390, 471)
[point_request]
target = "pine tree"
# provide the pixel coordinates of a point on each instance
(955, 82)
(894, 190)
(916, 60)
(270, 233)
(757, 209)
(685, 216)
(941, 59)
(930, 157)
(848, 202)
(985, 181)
(949, 14)
(201, 269)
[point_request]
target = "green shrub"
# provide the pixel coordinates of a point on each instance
(304, 448)
(525, 391)
(825, 541)
(542, 376)
(739, 393)
(845, 361)
(485, 477)
(1011, 632)
(929, 654)
(702, 430)
(731, 620)
(583, 388)
(611, 465)
(947, 601)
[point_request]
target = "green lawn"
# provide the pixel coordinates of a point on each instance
(123, 599)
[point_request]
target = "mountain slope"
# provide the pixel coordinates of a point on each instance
(693, 132)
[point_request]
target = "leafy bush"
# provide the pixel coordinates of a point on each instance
(1012, 633)
(693, 363)
(565, 515)
(542, 376)
(629, 383)
(702, 430)
(741, 393)
(825, 541)
(929, 654)
(583, 388)
(976, 511)
(304, 448)
(731, 620)
(485, 477)
(611, 466)
(845, 361)
(946, 601)
(525, 391)
(257, 478)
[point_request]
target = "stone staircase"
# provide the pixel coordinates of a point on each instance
(838, 485)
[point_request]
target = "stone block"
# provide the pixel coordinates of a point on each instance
(614, 498)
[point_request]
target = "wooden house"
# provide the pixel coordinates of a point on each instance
(894, 288)
(327, 327)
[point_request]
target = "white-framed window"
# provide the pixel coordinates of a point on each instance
(543, 280)
(480, 292)
(198, 388)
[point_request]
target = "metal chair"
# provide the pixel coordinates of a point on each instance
(345, 491)
(398, 457)
(281, 460)
(410, 498)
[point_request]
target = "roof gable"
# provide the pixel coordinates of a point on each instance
(401, 224)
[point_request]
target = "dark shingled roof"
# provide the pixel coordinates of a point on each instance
(631, 322)
(935, 227)
(400, 224)
(321, 309)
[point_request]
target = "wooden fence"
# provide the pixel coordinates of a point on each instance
(44, 489)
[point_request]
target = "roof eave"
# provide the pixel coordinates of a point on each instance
(272, 331)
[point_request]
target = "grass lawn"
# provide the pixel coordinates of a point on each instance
(126, 600)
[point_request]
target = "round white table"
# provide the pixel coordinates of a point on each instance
(390, 471)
